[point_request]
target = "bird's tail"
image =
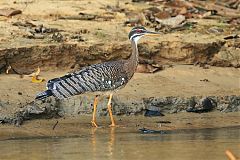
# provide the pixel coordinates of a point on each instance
(44, 95)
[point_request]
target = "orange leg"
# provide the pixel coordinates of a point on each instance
(94, 123)
(110, 110)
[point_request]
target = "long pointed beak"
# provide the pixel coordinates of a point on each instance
(150, 33)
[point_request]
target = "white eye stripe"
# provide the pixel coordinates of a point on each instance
(135, 35)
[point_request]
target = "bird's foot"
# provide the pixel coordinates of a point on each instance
(112, 125)
(94, 124)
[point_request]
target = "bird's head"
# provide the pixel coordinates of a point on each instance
(137, 32)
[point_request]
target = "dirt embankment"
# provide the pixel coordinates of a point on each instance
(60, 35)
(63, 36)
(178, 89)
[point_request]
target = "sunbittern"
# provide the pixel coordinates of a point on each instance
(104, 77)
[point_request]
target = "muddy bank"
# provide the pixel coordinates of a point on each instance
(76, 125)
(172, 90)
(82, 105)
(99, 33)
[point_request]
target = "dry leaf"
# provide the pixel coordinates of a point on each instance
(35, 76)
(35, 79)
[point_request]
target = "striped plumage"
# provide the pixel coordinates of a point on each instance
(99, 77)
(108, 76)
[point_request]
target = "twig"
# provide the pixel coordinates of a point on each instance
(55, 125)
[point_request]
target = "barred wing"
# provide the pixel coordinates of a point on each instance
(100, 77)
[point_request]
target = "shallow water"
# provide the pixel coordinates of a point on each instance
(123, 143)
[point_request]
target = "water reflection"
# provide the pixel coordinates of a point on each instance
(115, 143)
(111, 142)
(93, 139)
(97, 143)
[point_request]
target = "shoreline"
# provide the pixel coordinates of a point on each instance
(77, 125)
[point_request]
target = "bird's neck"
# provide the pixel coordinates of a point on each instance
(134, 56)
(132, 61)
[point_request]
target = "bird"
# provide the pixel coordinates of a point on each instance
(106, 77)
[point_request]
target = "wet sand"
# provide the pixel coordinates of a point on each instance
(75, 125)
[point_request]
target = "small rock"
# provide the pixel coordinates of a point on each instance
(204, 80)
(78, 37)
(151, 113)
(204, 105)
(84, 31)
(58, 37)
(147, 131)
(215, 30)
(40, 29)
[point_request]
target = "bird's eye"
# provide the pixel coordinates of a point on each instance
(139, 31)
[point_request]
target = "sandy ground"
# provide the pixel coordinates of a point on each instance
(180, 80)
